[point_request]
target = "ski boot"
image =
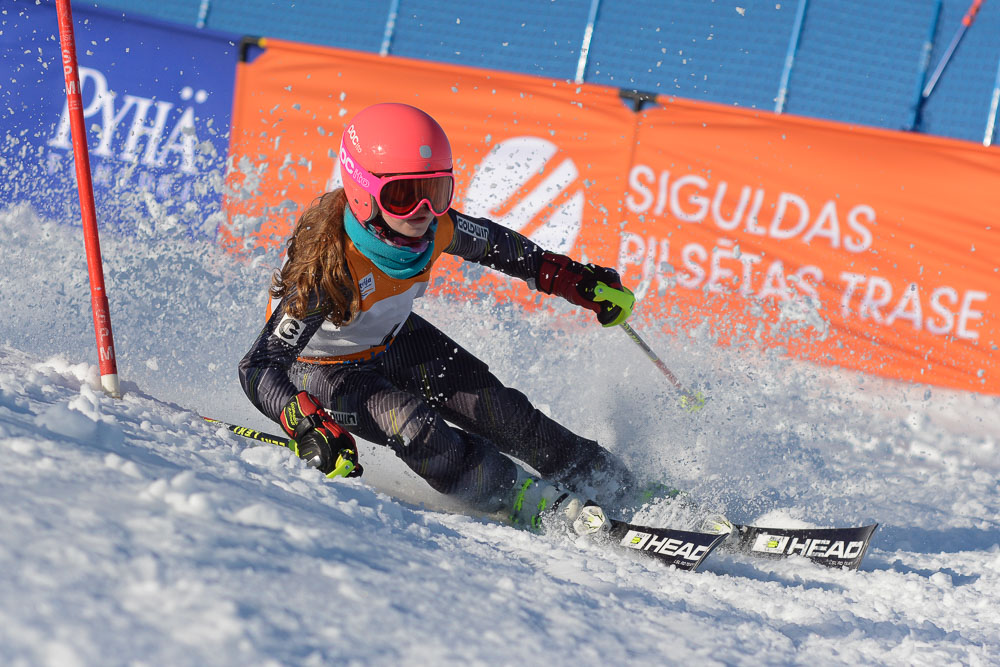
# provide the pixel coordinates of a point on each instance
(716, 523)
(532, 502)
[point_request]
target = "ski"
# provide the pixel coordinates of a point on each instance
(683, 549)
(686, 550)
(832, 547)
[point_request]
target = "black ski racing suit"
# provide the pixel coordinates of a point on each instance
(405, 396)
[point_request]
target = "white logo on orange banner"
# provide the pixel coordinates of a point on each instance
(510, 166)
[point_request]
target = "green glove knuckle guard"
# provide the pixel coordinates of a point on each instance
(318, 439)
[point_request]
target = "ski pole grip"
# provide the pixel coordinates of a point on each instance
(346, 467)
(616, 303)
(615, 297)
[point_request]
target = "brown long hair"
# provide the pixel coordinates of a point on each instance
(317, 262)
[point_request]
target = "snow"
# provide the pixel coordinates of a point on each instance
(134, 532)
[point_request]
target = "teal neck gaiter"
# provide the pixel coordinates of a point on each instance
(395, 261)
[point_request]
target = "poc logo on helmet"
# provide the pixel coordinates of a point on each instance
(348, 163)
(354, 137)
(288, 330)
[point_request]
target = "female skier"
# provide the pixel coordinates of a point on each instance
(342, 352)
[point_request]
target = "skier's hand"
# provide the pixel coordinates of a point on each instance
(332, 453)
(595, 287)
(319, 440)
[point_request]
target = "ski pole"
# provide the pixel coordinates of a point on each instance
(253, 434)
(917, 108)
(692, 401)
(967, 20)
(991, 121)
(344, 465)
(793, 47)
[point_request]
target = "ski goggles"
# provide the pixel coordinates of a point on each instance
(401, 195)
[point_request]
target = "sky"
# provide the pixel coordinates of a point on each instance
(136, 533)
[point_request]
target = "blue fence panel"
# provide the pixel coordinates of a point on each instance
(349, 25)
(960, 102)
(178, 11)
(724, 52)
(859, 61)
(524, 36)
(157, 100)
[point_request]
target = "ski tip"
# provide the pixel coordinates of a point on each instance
(685, 550)
(831, 547)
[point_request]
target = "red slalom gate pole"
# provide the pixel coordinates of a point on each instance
(88, 214)
(967, 20)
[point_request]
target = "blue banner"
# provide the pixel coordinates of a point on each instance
(157, 99)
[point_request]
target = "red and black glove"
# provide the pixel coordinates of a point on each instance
(319, 440)
(595, 287)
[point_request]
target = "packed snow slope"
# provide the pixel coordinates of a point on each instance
(133, 532)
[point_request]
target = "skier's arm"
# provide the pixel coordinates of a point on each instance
(264, 368)
(316, 437)
(491, 244)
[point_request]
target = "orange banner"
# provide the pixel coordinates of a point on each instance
(865, 248)
(868, 249)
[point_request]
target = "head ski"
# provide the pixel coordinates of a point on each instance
(832, 547)
(683, 549)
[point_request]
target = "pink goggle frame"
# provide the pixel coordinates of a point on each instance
(402, 195)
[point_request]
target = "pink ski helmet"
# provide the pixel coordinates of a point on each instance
(392, 139)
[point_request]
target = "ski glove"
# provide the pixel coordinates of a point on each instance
(319, 440)
(595, 287)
